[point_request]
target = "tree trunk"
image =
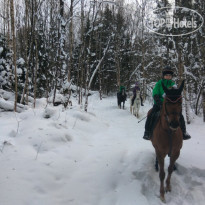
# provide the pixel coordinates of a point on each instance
(81, 58)
(117, 60)
(180, 63)
(35, 40)
(143, 54)
(198, 97)
(8, 26)
(203, 97)
(100, 55)
(94, 73)
(143, 70)
(70, 66)
(4, 16)
(62, 42)
(25, 90)
(35, 72)
(14, 50)
(187, 106)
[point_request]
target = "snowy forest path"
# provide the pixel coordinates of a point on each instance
(91, 158)
(136, 161)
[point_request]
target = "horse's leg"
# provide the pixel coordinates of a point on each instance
(123, 105)
(156, 165)
(175, 167)
(119, 103)
(170, 170)
(137, 114)
(161, 176)
(133, 109)
(137, 110)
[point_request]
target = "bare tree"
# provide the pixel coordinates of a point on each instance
(14, 50)
(94, 73)
(203, 95)
(81, 58)
(25, 90)
(200, 92)
(70, 66)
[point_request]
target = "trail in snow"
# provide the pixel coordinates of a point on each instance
(94, 158)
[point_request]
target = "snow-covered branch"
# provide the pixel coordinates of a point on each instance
(101, 60)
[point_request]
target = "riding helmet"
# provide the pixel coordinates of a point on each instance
(167, 70)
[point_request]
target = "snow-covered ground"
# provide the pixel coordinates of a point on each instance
(94, 158)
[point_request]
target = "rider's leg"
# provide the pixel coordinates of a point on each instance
(147, 127)
(133, 99)
(149, 122)
(186, 135)
(141, 101)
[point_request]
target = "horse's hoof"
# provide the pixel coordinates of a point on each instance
(156, 168)
(168, 189)
(163, 199)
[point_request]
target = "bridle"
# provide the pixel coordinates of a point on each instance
(169, 100)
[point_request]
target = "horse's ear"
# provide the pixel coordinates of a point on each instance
(164, 88)
(181, 86)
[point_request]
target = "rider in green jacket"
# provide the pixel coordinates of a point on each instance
(158, 90)
(158, 95)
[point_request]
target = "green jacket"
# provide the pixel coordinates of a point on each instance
(158, 90)
(121, 88)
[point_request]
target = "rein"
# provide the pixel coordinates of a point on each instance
(173, 101)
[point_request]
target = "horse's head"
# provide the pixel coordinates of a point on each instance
(173, 105)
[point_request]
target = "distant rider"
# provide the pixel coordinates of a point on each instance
(135, 90)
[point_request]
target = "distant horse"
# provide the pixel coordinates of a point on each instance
(121, 98)
(167, 135)
(134, 109)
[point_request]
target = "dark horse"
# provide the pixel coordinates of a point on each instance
(167, 135)
(121, 97)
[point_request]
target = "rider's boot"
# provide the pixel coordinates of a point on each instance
(147, 128)
(186, 135)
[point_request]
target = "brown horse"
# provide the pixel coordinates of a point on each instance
(167, 135)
